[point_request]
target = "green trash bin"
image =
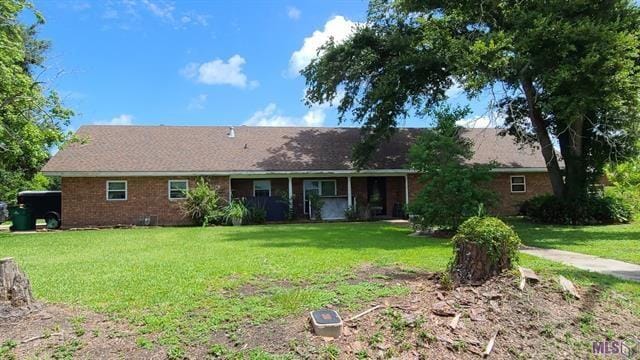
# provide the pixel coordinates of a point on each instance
(21, 219)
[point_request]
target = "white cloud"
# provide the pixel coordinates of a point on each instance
(194, 18)
(126, 14)
(485, 121)
(197, 103)
(339, 28)
(314, 117)
(455, 90)
(219, 72)
(163, 10)
(78, 5)
(293, 13)
(271, 116)
(124, 119)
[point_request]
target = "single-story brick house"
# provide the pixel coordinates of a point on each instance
(137, 174)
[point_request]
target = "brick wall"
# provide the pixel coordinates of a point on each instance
(395, 193)
(244, 187)
(508, 203)
(84, 201)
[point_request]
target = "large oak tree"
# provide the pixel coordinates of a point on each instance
(568, 74)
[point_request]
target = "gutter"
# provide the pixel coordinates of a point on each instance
(253, 174)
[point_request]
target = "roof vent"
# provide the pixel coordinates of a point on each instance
(232, 132)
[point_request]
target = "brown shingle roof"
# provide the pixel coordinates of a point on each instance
(209, 149)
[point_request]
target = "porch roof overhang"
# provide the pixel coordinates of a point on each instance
(274, 174)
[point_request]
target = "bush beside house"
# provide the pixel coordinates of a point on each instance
(596, 209)
(453, 189)
(203, 204)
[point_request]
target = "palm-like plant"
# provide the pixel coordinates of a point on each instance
(235, 212)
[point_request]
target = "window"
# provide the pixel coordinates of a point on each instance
(178, 189)
(116, 190)
(320, 187)
(518, 184)
(261, 188)
(328, 188)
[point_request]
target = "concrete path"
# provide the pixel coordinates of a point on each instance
(616, 268)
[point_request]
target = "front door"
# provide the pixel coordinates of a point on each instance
(377, 195)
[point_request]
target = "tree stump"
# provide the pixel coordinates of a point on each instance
(473, 265)
(15, 290)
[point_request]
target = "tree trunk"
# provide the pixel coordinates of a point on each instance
(572, 146)
(548, 152)
(473, 265)
(15, 290)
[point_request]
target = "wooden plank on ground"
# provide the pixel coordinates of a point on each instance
(527, 275)
(568, 287)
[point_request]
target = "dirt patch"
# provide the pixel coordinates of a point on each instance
(386, 275)
(258, 286)
(56, 331)
(539, 322)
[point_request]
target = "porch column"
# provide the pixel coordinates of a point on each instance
(406, 190)
(349, 197)
(290, 193)
(229, 190)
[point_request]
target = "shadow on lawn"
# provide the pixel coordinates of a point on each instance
(342, 236)
(548, 235)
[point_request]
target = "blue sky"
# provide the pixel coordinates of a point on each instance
(152, 62)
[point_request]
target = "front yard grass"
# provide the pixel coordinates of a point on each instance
(184, 283)
(620, 242)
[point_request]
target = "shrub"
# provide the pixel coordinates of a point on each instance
(625, 181)
(256, 214)
(453, 188)
(550, 209)
(236, 210)
(203, 204)
(629, 195)
(351, 213)
(483, 247)
(316, 205)
(290, 210)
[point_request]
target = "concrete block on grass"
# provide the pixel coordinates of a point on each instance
(326, 323)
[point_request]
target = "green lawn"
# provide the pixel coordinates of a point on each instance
(621, 242)
(184, 282)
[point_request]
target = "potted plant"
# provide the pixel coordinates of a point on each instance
(236, 211)
(375, 203)
(316, 203)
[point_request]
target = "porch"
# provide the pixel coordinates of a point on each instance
(371, 195)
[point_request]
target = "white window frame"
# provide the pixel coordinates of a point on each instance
(524, 184)
(126, 190)
(264, 180)
(169, 189)
(320, 181)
